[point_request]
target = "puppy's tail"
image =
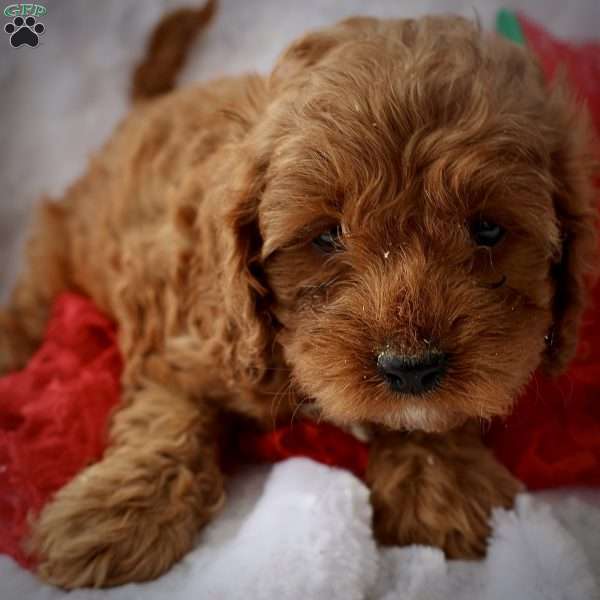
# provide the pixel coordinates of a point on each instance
(167, 49)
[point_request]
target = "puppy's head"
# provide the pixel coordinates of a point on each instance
(412, 224)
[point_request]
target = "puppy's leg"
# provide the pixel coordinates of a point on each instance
(436, 490)
(132, 515)
(22, 322)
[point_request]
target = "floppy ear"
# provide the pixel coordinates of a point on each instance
(575, 205)
(246, 295)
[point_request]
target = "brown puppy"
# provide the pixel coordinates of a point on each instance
(390, 225)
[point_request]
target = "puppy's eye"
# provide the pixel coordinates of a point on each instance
(329, 241)
(486, 233)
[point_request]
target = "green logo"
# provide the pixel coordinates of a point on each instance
(25, 10)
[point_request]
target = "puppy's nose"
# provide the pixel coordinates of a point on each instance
(410, 374)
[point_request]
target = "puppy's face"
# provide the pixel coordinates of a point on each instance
(409, 233)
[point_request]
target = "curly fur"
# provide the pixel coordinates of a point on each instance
(193, 226)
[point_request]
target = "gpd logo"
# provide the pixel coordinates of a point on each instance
(25, 28)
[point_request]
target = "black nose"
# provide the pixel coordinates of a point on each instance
(410, 374)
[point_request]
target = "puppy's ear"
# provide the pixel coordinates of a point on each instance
(246, 294)
(575, 205)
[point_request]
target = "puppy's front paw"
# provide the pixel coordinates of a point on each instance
(115, 524)
(437, 491)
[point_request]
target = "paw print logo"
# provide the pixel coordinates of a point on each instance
(24, 31)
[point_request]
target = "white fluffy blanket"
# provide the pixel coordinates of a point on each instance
(297, 530)
(300, 530)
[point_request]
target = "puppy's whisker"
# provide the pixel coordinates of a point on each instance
(320, 416)
(276, 402)
(299, 405)
(484, 425)
(491, 257)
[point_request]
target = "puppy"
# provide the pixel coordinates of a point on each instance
(394, 227)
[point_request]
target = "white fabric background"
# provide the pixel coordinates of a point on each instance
(299, 530)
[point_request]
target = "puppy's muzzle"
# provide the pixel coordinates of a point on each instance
(412, 374)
